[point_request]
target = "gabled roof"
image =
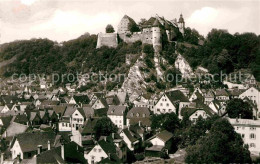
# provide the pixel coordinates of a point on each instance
(222, 92)
(88, 111)
(6, 121)
(156, 23)
(33, 115)
(29, 141)
(73, 153)
(140, 111)
(50, 102)
(81, 99)
(117, 110)
(163, 135)
(69, 111)
(89, 126)
(199, 106)
(59, 109)
(9, 99)
(176, 95)
(108, 147)
(209, 94)
(130, 135)
(21, 119)
(150, 21)
(144, 121)
(42, 114)
(112, 100)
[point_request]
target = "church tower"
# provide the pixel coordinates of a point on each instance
(181, 24)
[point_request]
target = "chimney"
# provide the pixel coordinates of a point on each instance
(62, 151)
(39, 149)
(50, 123)
(2, 158)
(139, 123)
(109, 156)
(239, 116)
(49, 145)
(113, 135)
(105, 138)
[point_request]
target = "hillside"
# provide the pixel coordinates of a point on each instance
(219, 51)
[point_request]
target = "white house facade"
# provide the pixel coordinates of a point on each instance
(164, 105)
(250, 133)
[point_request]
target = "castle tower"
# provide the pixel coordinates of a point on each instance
(157, 44)
(181, 24)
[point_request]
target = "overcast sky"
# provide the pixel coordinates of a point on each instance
(62, 20)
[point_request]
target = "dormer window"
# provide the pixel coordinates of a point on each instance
(143, 115)
(131, 114)
(137, 114)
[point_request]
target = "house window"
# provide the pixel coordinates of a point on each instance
(167, 104)
(252, 128)
(95, 149)
(243, 135)
(252, 145)
(99, 150)
(161, 104)
(252, 136)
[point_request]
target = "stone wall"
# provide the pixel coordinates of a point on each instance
(107, 39)
(130, 39)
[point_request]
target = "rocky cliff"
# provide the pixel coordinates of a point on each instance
(183, 66)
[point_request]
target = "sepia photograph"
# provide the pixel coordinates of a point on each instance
(129, 81)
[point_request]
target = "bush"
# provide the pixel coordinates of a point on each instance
(110, 29)
(149, 89)
(139, 157)
(149, 63)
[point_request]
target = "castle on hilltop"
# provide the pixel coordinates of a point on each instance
(153, 31)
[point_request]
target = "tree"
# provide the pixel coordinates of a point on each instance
(185, 122)
(132, 27)
(104, 127)
(190, 133)
(142, 21)
(110, 29)
(192, 36)
(221, 145)
(237, 107)
(167, 121)
(148, 50)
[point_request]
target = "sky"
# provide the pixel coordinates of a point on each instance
(62, 20)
